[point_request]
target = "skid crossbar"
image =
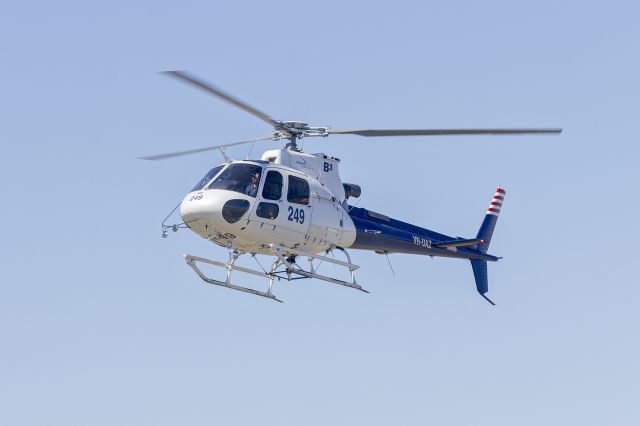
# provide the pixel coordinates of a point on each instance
(294, 268)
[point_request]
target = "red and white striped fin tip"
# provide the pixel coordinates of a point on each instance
(496, 202)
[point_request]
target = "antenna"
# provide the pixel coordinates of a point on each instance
(226, 158)
(386, 253)
(250, 150)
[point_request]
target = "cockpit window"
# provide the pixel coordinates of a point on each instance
(239, 177)
(205, 180)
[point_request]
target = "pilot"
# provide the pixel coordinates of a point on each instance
(252, 188)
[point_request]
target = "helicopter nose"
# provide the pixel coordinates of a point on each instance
(213, 209)
(196, 209)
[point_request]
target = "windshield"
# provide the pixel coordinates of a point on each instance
(239, 177)
(210, 175)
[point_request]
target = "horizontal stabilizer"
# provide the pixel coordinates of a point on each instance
(458, 243)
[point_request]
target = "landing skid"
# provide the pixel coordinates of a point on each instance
(283, 266)
(230, 266)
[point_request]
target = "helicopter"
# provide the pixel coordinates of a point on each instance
(291, 205)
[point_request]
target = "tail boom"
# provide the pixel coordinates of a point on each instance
(382, 234)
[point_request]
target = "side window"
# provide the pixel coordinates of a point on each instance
(298, 190)
(268, 210)
(272, 189)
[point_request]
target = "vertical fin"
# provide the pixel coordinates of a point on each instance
(490, 219)
(484, 234)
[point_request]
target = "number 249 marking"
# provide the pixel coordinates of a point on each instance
(296, 215)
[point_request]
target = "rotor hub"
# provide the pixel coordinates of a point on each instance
(295, 125)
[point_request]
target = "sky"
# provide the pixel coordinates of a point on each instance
(102, 322)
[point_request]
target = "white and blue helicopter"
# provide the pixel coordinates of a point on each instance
(292, 206)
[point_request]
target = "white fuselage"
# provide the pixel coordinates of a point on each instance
(284, 207)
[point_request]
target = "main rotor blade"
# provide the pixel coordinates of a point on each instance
(195, 151)
(194, 81)
(435, 132)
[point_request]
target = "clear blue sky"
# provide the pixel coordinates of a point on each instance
(102, 323)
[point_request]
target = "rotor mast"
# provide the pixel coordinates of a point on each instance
(292, 145)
